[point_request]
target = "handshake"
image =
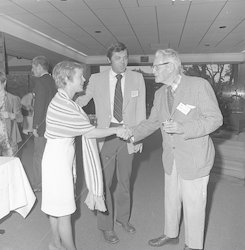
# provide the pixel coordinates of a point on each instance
(124, 132)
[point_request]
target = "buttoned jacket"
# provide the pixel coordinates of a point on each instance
(193, 151)
(134, 107)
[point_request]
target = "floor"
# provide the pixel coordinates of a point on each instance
(225, 226)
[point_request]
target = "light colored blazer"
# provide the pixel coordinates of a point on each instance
(134, 106)
(192, 151)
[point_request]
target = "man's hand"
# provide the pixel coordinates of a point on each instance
(35, 133)
(138, 148)
(30, 107)
(171, 127)
(126, 133)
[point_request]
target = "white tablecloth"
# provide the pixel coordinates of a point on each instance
(15, 190)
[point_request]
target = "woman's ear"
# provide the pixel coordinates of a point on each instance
(67, 80)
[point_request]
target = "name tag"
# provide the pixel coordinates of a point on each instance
(190, 106)
(135, 93)
(183, 108)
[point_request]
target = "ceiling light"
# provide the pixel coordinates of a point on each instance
(222, 27)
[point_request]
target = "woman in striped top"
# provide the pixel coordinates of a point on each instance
(64, 121)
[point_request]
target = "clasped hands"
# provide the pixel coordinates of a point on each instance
(124, 132)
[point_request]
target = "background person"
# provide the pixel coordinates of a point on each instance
(10, 115)
(27, 102)
(119, 97)
(44, 92)
(186, 111)
(65, 120)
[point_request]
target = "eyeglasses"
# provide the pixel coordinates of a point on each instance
(156, 66)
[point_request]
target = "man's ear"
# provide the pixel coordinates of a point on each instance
(172, 67)
(108, 59)
(39, 68)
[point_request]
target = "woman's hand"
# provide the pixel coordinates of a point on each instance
(124, 132)
(8, 115)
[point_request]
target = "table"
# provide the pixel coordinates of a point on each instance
(15, 190)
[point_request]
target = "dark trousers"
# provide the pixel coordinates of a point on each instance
(115, 156)
(39, 146)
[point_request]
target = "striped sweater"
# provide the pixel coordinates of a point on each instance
(65, 118)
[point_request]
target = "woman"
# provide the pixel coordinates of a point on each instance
(65, 120)
(10, 115)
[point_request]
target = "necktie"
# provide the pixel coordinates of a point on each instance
(170, 99)
(118, 99)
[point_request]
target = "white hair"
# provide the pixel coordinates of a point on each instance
(172, 56)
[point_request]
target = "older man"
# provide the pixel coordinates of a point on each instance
(186, 111)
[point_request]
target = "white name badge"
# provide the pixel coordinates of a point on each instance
(135, 93)
(190, 106)
(183, 108)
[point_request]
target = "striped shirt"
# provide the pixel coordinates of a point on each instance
(65, 118)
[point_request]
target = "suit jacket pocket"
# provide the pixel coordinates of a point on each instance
(203, 152)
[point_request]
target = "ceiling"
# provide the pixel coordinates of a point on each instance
(90, 26)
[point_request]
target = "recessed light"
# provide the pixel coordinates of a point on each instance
(207, 45)
(97, 31)
(222, 27)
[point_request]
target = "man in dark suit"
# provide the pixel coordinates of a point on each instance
(44, 92)
(119, 97)
(186, 111)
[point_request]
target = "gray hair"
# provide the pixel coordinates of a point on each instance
(172, 56)
(65, 69)
(42, 60)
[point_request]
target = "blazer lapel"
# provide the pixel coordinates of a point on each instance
(105, 89)
(127, 90)
(181, 91)
(165, 99)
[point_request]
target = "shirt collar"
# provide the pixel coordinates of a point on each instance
(112, 73)
(46, 73)
(176, 83)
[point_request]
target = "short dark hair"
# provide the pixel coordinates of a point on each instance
(42, 60)
(116, 47)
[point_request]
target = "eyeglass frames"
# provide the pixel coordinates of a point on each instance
(156, 66)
